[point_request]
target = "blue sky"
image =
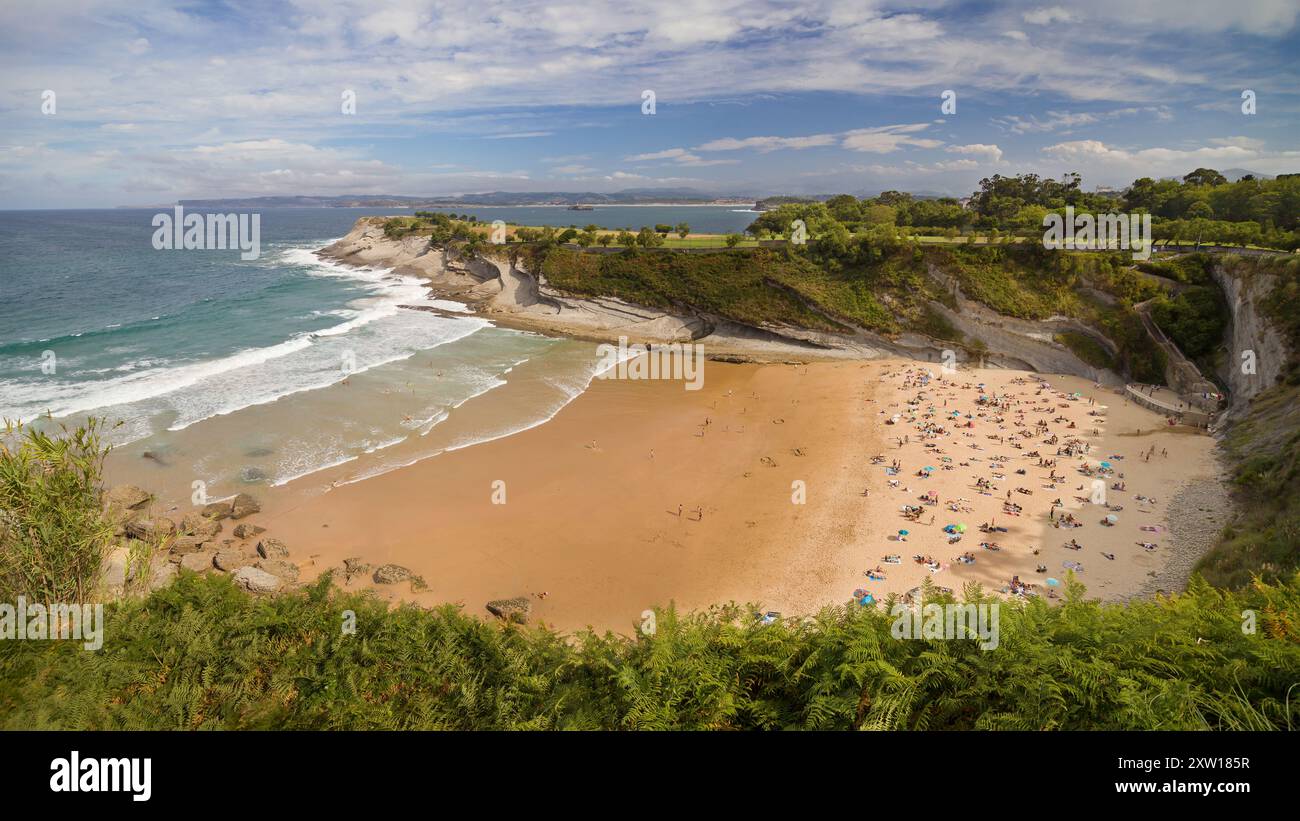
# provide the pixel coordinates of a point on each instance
(158, 101)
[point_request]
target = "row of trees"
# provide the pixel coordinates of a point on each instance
(1202, 207)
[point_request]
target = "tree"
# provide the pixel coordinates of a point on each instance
(626, 238)
(605, 240)
(1205, 176)
(683, 229)
(733, 240)
(648, 238)
(662, 229)
(845, 208)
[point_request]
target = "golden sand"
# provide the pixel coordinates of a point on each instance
(759, 488)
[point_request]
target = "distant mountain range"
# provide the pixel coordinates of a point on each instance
(630, 196)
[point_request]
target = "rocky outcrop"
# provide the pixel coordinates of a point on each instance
(1021, 343)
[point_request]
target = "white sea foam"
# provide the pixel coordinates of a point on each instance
(374, 331)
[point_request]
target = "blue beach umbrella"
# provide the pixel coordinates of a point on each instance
(1053, 582)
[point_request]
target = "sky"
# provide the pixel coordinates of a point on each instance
(117, 103)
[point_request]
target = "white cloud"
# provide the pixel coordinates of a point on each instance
(680, 156)
(522, 135)
(1048, 16)
(766, 144)
(888, 138)
(989, 152)
(1094, 158)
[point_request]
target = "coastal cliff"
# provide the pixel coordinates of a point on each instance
(500, 285)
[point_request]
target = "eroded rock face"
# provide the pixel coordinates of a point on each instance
(272, 549)
(243, 505)
(392, 574)
(516, 609)
(256, 580)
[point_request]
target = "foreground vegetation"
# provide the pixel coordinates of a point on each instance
(201, 654)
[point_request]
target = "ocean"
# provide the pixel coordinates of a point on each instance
(230, 373)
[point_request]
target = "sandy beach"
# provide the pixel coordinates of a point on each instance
(772, 485)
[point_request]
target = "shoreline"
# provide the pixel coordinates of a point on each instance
(637, 493)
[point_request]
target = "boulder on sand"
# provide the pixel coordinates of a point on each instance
(516, 609)
(196, 562)
(272, 549)
(256, 580)
(243, 505)
(392, 574)
(196, 524)
(150, 529)
(187, 544)
(247, 531)
(217, 510)
(230, 560)
(126, 497)
(288, 571)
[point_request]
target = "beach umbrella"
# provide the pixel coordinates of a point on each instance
(961, 528)
(1105, 464)
(902, 533)
(928, 469)
(1112, 518)
(1053, 582)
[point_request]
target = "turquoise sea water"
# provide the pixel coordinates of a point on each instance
(262, 371)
